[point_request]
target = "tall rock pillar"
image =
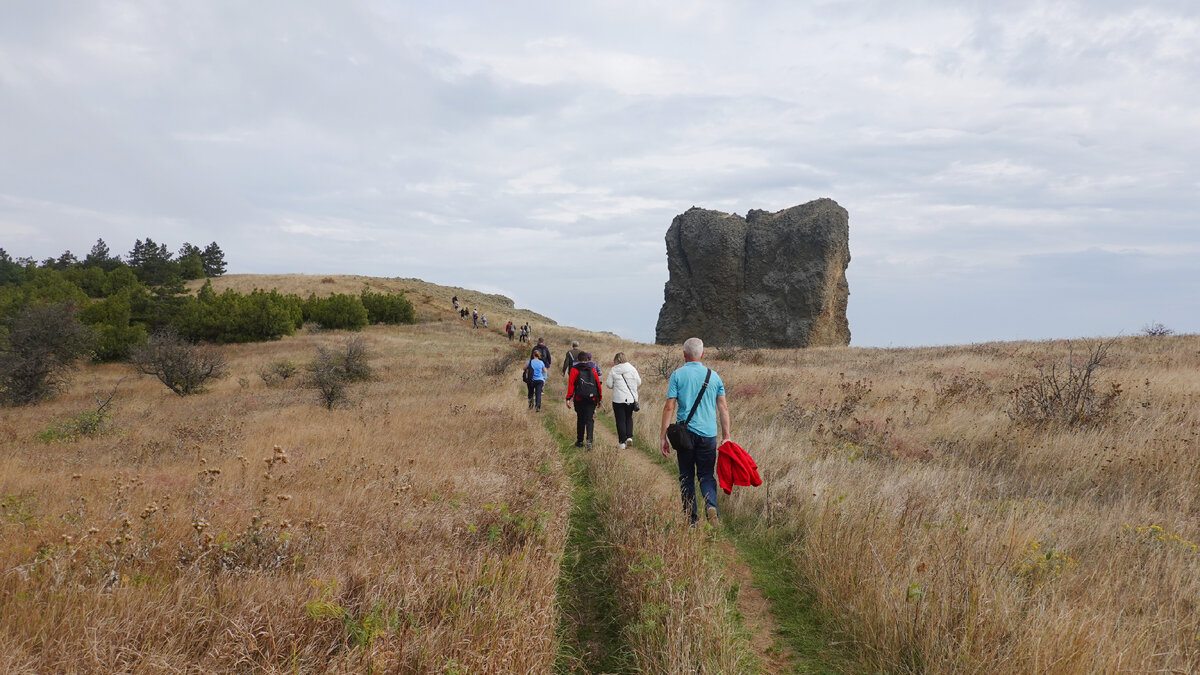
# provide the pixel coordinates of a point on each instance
(766, 280)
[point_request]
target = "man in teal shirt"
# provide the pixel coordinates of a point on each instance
(699, 462)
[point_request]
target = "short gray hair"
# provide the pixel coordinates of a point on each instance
(693, 347)
(574, 343)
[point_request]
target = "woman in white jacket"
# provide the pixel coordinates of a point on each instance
(623, 381)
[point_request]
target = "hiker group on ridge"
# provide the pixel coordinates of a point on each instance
(694, 416)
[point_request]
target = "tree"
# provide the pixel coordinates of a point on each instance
(100, 257)
(181, 365)
(43, 345)
(152, 262)
(66, 261)
(11, 271)
(214, 260)
(191, 262)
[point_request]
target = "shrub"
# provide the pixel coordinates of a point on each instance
(1063, 392)
(182, 366)
(277, 372)
(1156, 329)
(355, 360)
(500, 363)
(331, 373)
(388, 308)
(111, 319)
(338, 312)
(234, 317)
(668, 362)
(86, 423)
(42, 347)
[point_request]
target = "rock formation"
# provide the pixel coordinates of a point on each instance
(768, 280)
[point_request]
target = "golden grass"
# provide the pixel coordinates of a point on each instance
(947, 538)
(419, 528)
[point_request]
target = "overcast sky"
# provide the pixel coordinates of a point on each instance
(1011, 169)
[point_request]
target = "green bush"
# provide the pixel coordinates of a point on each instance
(338, 312)
(116, 335)
(86, 423)
(233, 317)
(388, 308)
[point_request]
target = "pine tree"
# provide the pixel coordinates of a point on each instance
(214, 260)
(100, 257)
(152, 262)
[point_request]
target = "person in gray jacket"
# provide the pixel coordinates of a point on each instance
(623, 381)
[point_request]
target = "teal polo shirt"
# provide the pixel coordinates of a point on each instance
(684, 385)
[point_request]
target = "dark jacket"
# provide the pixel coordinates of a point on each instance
(572, 356)
(542, 352)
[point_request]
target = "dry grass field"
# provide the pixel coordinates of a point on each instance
(423, 527)
(418, 529)
(945, 537)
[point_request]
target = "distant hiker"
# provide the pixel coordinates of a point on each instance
(695, 401)
(462, 313)
(524, 334)
(455, 301)
(510, 330)
(535, 380)
(585, 390)
(475, 317)
(541, 351)
(483, 320)
(571, 357)
(623, 382)
(528, 331)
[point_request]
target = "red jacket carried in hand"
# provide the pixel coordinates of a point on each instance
(735, 466)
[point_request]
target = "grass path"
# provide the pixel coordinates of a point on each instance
(589, 633)
(785, 628)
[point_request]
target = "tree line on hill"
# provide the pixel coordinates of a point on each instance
(105, 307)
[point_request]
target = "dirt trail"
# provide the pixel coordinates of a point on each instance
(754, 607)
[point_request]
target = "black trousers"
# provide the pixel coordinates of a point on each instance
(535, 388)
(585, 420)
(623, 412)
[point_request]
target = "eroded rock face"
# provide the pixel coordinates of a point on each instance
(766, 280)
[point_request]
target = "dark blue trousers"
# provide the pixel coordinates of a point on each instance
(698, 463)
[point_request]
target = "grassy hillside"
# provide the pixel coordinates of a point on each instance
(938, 522)
(431, 300)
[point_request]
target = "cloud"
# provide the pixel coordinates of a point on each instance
(496, 145)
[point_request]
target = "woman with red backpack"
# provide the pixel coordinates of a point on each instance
(585, 390)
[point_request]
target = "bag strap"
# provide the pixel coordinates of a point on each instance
(629, 388)
(698, 397)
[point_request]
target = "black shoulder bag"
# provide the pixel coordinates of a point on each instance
(677, 433)
(636, 407)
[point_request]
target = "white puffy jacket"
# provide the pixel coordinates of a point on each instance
(623, 390)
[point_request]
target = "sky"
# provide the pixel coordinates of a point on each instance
(1012, 170)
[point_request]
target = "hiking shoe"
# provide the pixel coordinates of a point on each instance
(621, 446)
(628, 441)
(579, 444)
(710, 514)
(589, 445)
